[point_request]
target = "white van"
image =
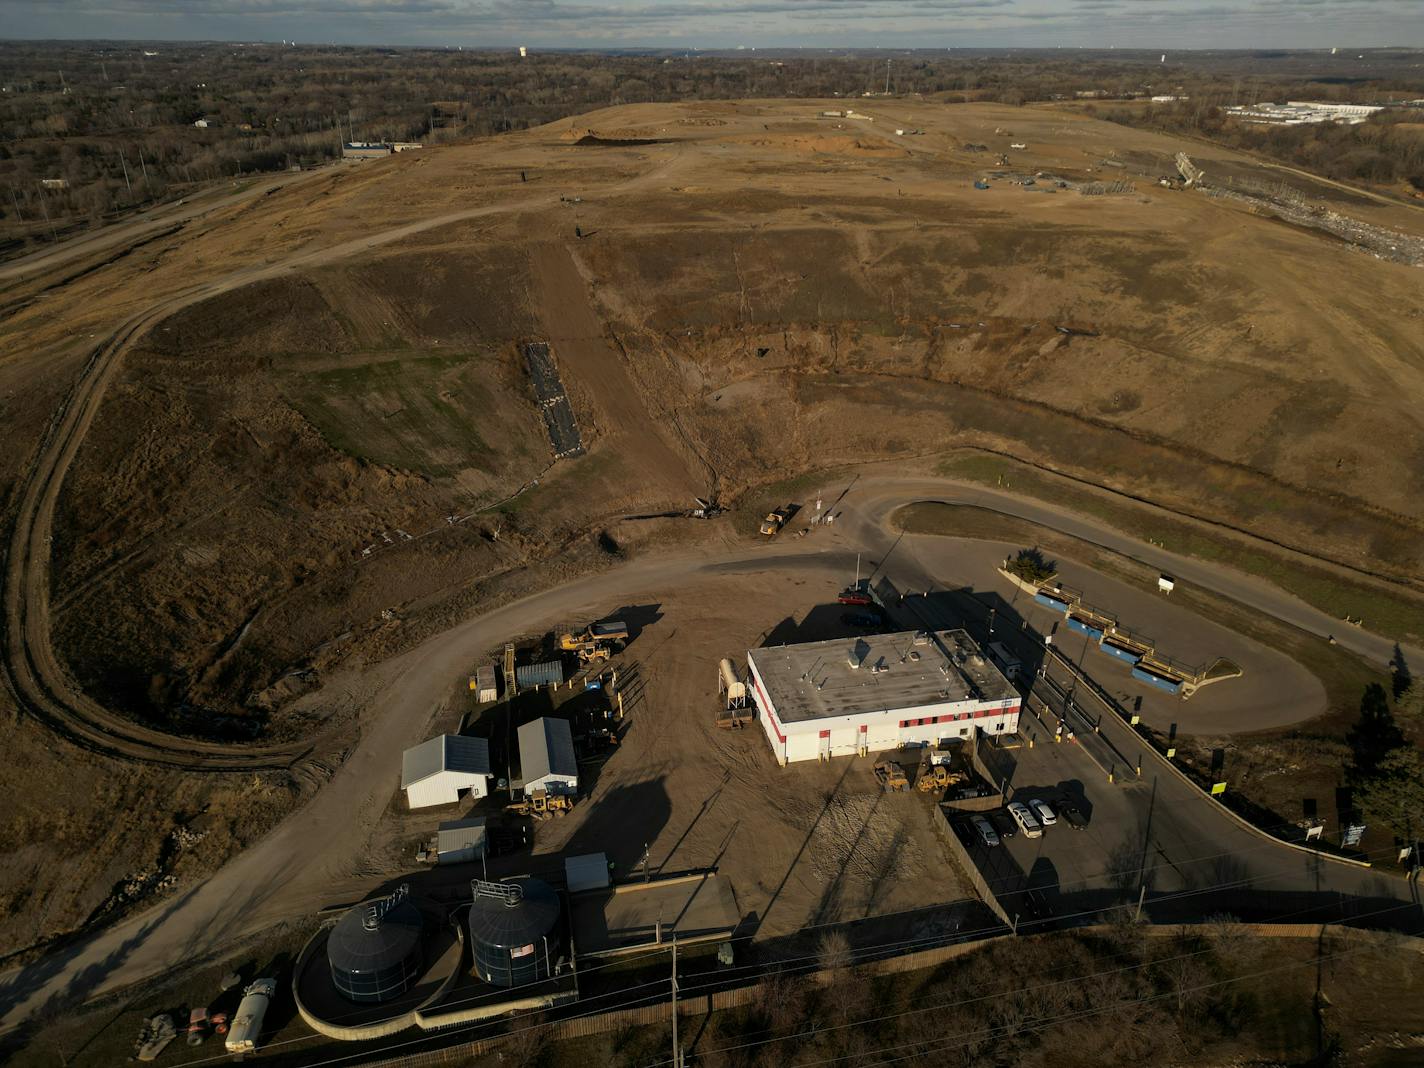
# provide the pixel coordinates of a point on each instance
(1024, 818)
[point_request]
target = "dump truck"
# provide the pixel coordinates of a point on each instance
(611, 635)
(774, 521)
(246, 1029)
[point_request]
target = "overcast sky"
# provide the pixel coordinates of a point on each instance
(1164, 24)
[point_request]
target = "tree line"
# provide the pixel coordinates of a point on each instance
(91, 129)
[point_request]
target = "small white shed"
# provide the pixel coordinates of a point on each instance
(440, 770)
(546, 756)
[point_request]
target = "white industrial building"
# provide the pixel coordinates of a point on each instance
(851, 696)
(440, 770)
(546, 756)
(1303, 112)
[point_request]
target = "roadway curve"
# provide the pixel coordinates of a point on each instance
(320, 848)
(38, 679)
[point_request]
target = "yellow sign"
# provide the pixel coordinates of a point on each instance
(1136, 719)
(1171, 753)
(1218, 788)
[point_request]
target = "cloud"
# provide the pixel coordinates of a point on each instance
(721, 23)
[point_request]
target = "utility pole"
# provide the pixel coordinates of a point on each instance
(676, 1049)
(125, 166)
(144, 165)
(887, 77)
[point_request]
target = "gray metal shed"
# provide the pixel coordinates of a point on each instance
(588, 872)
(549, 673)
(546, 756)
(457, 841)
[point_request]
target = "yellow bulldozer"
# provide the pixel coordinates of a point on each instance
(938, 778)
(597, 642)
(542, 805)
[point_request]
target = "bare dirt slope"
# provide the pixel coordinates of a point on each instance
(337, 452)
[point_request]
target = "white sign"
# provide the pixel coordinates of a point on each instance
(1166, 583)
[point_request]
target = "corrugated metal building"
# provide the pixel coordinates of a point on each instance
(439, 770)
(457, 841)
(549, 673)
(546, 756)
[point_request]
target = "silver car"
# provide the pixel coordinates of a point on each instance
(1043, 811)
(987, 834)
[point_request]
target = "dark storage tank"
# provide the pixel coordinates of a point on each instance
(514, 932)
(374, 950)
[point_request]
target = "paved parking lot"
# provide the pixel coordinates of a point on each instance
(1157, 839)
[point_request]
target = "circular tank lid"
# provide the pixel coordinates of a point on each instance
(373, 937)
(507, 921)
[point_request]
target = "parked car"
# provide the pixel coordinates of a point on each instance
(1025, 819)
(1072, 815)
(1004, 824)
(987, 834)
(853, 595)
(868, 620)
(1043, 811)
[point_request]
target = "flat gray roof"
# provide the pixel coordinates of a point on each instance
(852, 676)
(629, 915)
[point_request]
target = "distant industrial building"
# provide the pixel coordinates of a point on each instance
(365, 150)
(440, 770)
(883, 691)
(546, 756)
(1302, 112)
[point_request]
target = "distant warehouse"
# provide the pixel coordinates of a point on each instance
(365, 150)
(879, 692)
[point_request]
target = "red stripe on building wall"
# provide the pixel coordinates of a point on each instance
(766, 709)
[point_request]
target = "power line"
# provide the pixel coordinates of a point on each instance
(864, 951)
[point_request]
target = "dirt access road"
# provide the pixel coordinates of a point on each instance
(291, 872)
(30, 659)
(145, 224)
(874, 500)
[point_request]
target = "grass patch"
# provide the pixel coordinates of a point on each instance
(416, 413)
(753, 507)
(1395, 615)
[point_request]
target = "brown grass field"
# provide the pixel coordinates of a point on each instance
(758, 293)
